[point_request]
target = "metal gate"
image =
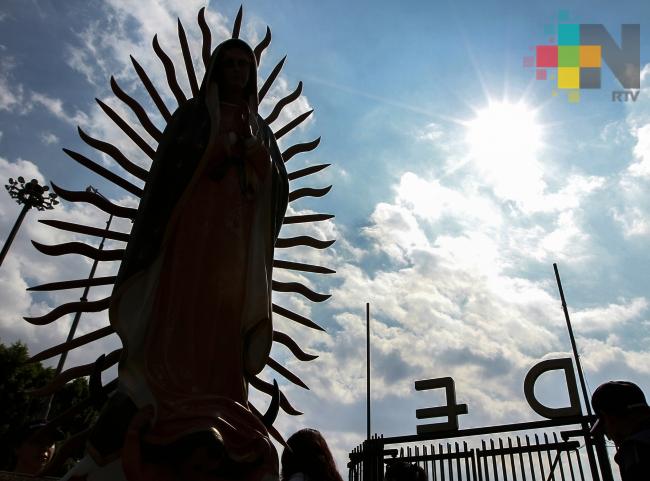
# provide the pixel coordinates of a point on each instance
(531, 456)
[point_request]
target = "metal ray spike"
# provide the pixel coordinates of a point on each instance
(104, 172)
(74, 284)
(267, 388)
(62, 310)
(283, 243)
(296, 317)
(299, 219)
(269, 81)
(96, 200)
(300, 289)
(237, 26)
(153, 93)
(280, 369)
(68, 346)
(260, 47)
(307, 171)
(170, 72)
(137, 109)
(127, 129)
(299, 148)
(187, 58)
(80, 248)
(293, 124)
(75, 373)
(207, 38)
(84, 229)
(308, 192)
(292, 345)
(283, 102)
(299, 266)
(115, 153)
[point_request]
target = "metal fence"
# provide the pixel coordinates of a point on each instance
(531, 456)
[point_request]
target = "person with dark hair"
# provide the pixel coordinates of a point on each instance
(403, 471)
(34, 447)
(624, 417)
(308, 458)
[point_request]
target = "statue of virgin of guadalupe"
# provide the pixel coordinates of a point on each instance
(192, 301)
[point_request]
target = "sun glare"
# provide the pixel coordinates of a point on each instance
(504, 133)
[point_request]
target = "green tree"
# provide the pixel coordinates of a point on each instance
(18, 407)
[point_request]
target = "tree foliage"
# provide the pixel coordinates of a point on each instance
(19, 408)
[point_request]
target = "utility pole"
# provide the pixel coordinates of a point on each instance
(599, 442)
(368, 370)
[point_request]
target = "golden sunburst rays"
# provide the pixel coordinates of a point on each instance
(129, 166)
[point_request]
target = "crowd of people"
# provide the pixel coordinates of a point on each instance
(623, 416)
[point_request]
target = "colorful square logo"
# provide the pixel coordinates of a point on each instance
(568, 78)
(590, 56)
(568, 56)
(568, 34)
(546, 56)
(578, 56)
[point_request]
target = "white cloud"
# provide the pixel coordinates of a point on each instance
(444, 288)
(24, 266)
(12, 93)
(641, 168)
(432, 132)
(632, 212)
(103, 50)
(48, 138)
(55, 107)
(633, 220)
(610, 318)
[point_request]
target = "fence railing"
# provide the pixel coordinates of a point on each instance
(524, 456)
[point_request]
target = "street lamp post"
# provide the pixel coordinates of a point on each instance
(29, 194)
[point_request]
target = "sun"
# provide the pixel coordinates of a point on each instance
(503, 135)
(504, 142)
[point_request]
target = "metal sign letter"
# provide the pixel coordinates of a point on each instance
(451, 410)
(552, 365)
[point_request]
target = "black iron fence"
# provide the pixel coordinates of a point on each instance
(529, 455)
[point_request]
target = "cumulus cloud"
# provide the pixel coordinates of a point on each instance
(12, 93)
(103, 50)
(56, 108)
(446, 269)
(24, 266)
(611, 318)
(48, 138)
(431, 132)
(633, 210)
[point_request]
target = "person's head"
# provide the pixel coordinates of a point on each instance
(403, 471)
(235, 69)
(309, 454)
(34, 448)
(620, 406)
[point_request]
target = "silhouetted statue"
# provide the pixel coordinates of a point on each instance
(192, 300)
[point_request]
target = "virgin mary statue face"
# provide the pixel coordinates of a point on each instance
(234, 70)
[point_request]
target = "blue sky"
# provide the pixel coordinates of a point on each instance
(452, 240)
